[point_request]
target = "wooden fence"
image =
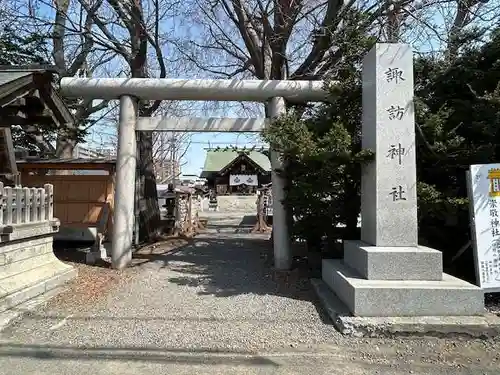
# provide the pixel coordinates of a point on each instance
(22, 205)
(80, 201)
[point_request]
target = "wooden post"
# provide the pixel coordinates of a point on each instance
(197, 223)
(261, 225)
(189, 215)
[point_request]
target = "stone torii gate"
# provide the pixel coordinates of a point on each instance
(130, 90)
(386, 273)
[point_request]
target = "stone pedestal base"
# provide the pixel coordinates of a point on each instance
(393, 263)
(447, 297)
(476, 326)
(398, 281)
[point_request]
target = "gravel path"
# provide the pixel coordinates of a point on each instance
(213, 306)
(212, 293)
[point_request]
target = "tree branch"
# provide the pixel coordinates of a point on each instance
(103, 28)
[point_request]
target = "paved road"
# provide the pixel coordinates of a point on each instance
(106, 362)
(214, 307)
(66, 360)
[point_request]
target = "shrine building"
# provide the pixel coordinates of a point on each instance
(236, 171)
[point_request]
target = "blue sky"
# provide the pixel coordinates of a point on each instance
(104, 135)
(194, 158)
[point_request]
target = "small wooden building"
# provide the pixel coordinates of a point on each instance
(28, 99)
(83, 199)
(236, 171)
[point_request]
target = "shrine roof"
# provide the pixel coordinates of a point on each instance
(28, 96)
(217, 159)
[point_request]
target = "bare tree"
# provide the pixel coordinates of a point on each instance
(169, 150)
(309, 39)
(130, 16)
(72, 46)
(124, 37)
(298, 39)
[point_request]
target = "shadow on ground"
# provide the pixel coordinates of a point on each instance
(74, 252)
(229, 265)
(248, 220)
(224, 261)
(149, 354)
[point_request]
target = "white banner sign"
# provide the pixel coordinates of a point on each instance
(484, 194)
(243, 179)
(268, 204)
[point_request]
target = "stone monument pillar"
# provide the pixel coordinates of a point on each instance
(388, 186)
(387, 273)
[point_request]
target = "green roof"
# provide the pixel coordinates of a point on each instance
(216, 160)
